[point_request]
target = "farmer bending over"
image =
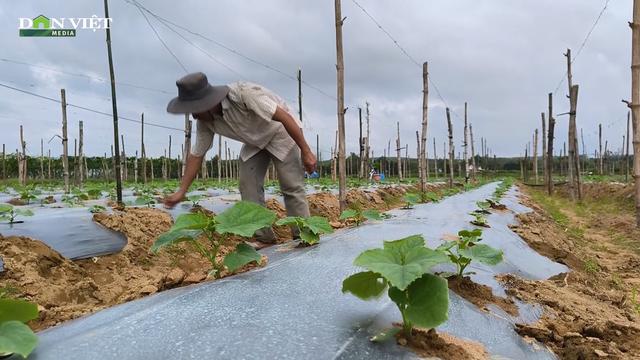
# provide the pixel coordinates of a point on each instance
(259, 119)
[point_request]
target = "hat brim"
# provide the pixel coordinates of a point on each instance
(213, 97)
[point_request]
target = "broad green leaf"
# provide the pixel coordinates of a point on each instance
(427, 258)
(5, 208)
(318, 225)
(18, 310)
(174, 237)
(470, 233)
(309, 237)
(372, 214)
(411, 198)
(398, 296)
(17, 338)
(446, 245)
(244, 219)
(391, 266)
(482, 253)
(241, 256)
(428, 304)
(191, 221)
(404, 245)
(385, 335)
(24, 212)
(348, 214)
(290, 220)
(365, 285)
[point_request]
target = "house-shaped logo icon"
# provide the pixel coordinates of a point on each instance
(41, 22)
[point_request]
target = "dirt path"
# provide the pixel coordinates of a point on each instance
(67, 289)
(590, 312)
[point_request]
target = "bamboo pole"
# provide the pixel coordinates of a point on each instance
(65, 142)
(422, 148)
(450, 129)
(187, 142)
(123, 161)
(552, 124)
(135, 168)
(361, 143)
(4, 163)
(435, 159)
(367, 149)
(169, 160)
(219, 158)
(41, 159)
(300, 93)
(418, 158)
(49, 164)
(22, 160)
(600, 156)
(339, 21)
(626, 175)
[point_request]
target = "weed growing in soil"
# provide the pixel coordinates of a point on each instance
(410, 200)
(358, 215)
(465, 249)
(403, 266)
(310, 228)
(591, 267)
(635, 303)
(242, 219)
(10, 213)
(15, 336)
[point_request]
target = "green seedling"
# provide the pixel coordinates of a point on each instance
(97, 209)
(591, 267)
(483, 207)
(465, 249)
(29, 194)
(146, 197)
(242, 219)
(403, 267)
(195, 200)
(15, 336)
(635, 303)
(72, 200)
(430, 196)
(310, 228)
(359, 216)
(10, 213)
(479, 220)
(410, 200)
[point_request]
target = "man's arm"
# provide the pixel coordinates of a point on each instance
(296, 134)
(193, 166)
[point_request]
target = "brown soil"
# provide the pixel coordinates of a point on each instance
(589, 312)
(481, 295)
(17, 202)
(431, 344)
(67, 289)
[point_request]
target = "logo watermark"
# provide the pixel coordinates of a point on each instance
(60, 27)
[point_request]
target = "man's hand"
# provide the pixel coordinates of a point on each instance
(309, 161)
(173, 199)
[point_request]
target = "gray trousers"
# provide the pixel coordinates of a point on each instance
(291, 178)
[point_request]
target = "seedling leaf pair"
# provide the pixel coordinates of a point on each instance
(403, 267)
(242, 219)
(15, 336)
(359, 216)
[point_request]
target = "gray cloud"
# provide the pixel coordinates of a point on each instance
(502, 57)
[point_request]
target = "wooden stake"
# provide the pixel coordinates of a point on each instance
(544, 148)
(361, 143)
(41, 159)
(115, 111)
(169, 160)
(626, 176)
(143, 152)
(219, 158)
(367, 150)
(123, 161)
(4, 163)
(300, 93)
(342, 187)
(135, 168)
(81, 152)
(22, 160)
(575, 188)
(550, 138)
(473, 154)
(65, 141)
(535, 155)
(435, 159)
(49, 165)
(418, 158)
(600, 156)
(187, 142)
(398, 149)
(450, 128)
(423, 166)
(465, 144)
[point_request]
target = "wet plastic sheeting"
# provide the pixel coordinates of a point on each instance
(291, 309)
(71, 232)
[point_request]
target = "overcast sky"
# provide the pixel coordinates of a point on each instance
(502, 57)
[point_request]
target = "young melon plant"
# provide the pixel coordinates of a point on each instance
(242, 219)
(310, 228)
(195, 200)
(10, 213)
(97, 209)
(15, 336)
(359, 216)
(403, 267)
(479, 220)
(466, 249)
